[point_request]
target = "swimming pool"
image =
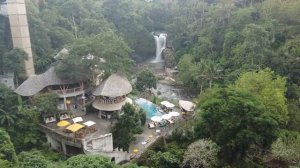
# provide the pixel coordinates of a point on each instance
(148, 107)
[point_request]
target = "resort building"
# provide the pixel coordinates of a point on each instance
(85, 134)
(111, 95)
(71, 92)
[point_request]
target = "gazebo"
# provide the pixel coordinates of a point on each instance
(111, 95)
(186, 106)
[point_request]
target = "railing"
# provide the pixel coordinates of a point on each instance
(66, 91)
(112, 101)
(77, 142)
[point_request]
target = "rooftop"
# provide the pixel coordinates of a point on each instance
(102, 126)
(114, 86)
(36, 83)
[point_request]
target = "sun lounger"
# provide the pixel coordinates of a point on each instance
(151, 125)
(171, 121)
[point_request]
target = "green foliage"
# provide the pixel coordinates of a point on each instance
(7, 150)
(269, 89)
(25, 130)
(163, 159)
(143, 117)
(89, 161)
(287, 146)
(146, 80)
(183, 135)
(130, 19)
(235, 120)
(105, 51)
(187, 71)
(8, 106)
(202, 153)
(254, 48)
(46, 102)
(131, 165)
(32, 159)
(13, 61)
(125, 128)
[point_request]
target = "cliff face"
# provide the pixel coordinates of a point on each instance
(169, 57)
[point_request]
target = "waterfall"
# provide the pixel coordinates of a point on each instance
(160, 41)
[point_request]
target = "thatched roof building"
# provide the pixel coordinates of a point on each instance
(36, 83)
(111, 107)
(114, 86)
(187, 105)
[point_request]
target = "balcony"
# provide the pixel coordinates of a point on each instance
(112, 101)
(69, 92)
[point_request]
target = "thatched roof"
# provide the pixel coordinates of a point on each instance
(113, 86)
(36, 83)
(186, 105)
(111, 107)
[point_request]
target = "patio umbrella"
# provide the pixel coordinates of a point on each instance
(74, 127)
(89, 123)
(77, 119)
(135, 151)
(166, 116)
(164, 103)
(174, 114)
(169, 105)
(63, 123)
(156, 118)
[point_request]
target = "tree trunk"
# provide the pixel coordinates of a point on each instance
(201, 89)
(75, 28)
(210, 83)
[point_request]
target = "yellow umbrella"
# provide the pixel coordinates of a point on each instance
(75, 127)
(63, 123)
(135, 151)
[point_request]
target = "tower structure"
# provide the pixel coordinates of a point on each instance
(16, 11)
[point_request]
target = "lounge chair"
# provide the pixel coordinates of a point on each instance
(151, 125)
(171, 121)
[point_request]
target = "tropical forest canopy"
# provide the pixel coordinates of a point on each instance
(240, 57)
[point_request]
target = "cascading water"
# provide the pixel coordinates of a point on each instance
(160, 41)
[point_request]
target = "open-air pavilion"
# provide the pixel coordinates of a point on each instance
(111, 95)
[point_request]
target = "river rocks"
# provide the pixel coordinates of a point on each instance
(169, 57)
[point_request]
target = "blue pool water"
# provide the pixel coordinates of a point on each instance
(148, 107)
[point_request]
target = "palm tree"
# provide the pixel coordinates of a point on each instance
(6, 117)
(212, 71)
(201, 74)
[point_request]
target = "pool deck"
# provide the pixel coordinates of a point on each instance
(150, 136)
(103, 126)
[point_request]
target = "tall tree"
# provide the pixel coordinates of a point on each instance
(235, 120)
(7, 151)
(126, 126)
(14, 61)
(202, 153)
(145, 80)
(270, 89)
(46, 102)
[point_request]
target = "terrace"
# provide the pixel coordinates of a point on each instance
(75, 139)
(69, 92)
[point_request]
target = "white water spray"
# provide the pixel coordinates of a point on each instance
(160, 41)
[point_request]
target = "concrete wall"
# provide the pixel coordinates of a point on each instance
(56, 145)
(16, 11)
(103, 145)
